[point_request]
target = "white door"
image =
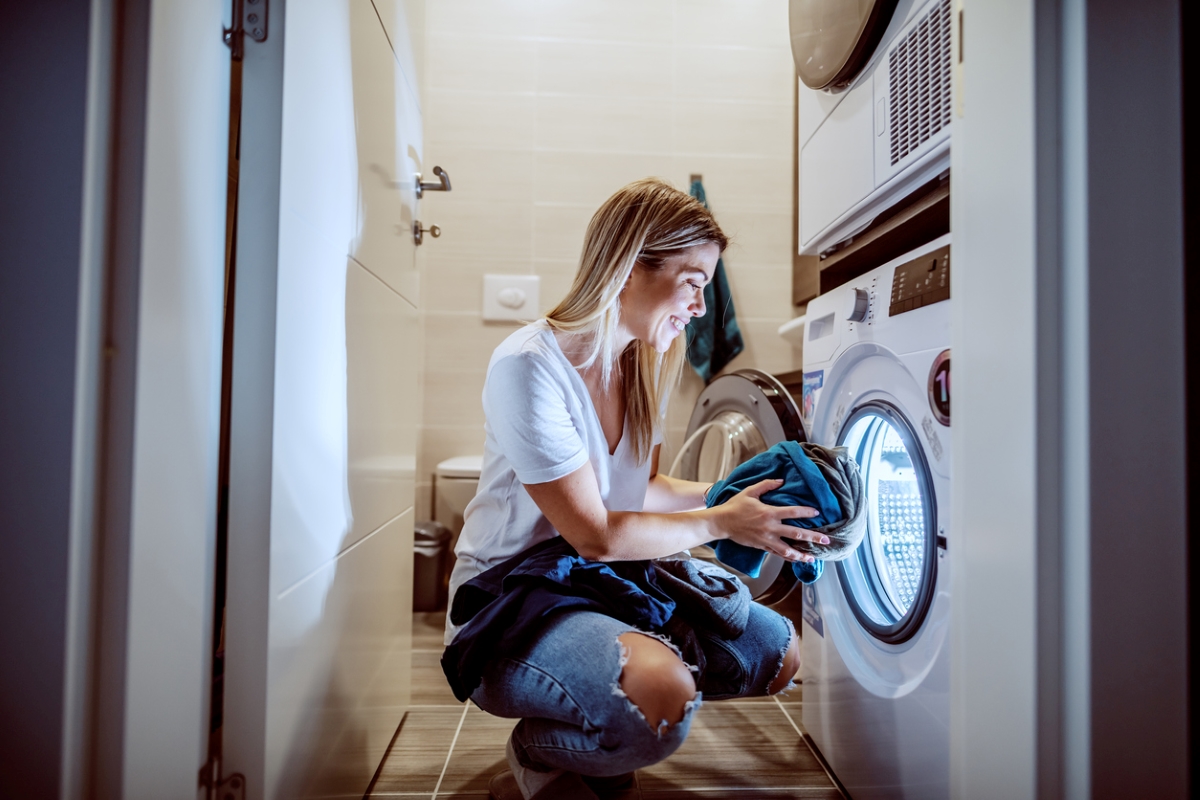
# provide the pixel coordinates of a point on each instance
(324, 402)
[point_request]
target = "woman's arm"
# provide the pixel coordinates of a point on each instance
(573, 506)
(667, 495)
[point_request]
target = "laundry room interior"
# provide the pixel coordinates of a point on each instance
(301, 242)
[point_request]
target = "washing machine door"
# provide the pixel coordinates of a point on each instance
(832, 40)
(891, 578)
(737, 416)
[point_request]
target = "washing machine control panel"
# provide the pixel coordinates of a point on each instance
(923, 281)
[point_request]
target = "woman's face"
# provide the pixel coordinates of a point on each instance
(657, 304)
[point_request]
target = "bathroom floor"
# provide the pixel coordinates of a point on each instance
(737, 748)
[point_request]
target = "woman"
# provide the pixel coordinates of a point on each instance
(574, 406)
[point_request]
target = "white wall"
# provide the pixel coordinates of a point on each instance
(540, 110)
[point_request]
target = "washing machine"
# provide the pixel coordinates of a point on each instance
(876, 672)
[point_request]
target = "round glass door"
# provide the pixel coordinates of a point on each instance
(889, 581)
(832, 40)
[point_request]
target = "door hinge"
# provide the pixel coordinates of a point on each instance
(249, 19)
(231, 787)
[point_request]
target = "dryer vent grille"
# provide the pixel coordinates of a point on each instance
(919, 82)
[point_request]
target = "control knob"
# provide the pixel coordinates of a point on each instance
(857, 304)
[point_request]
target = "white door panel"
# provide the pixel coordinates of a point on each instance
(339, 667)
(320, 587)
(176, 429)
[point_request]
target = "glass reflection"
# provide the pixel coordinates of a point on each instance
(896, 534)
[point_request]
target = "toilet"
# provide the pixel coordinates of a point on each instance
(455, 481)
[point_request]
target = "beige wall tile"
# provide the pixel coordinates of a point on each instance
(611, 21)
(442, 442)
(589, 178)
(760, 238)
(480, 173)
(605, 124)
(761, 292)
(512, 18)
(478, 118)
(460, 343)
(745, 74)
(481, 63)
(604, 69)
(480, 229)
(453, 398)
(558, 231)
(555, 283)
(741, 183)
(765, 348)
(423, 505)
(746, 23)
(458, 284)
(747, 129)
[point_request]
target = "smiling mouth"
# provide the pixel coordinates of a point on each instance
(678, 323)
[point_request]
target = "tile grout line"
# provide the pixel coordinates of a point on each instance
(791, 721)
(437, 787)
(837, 784)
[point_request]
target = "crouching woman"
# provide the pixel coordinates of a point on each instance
(574, 412)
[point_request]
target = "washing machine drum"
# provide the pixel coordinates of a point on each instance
(737, 416)
(832, 40)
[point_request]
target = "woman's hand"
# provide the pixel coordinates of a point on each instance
(747, 520)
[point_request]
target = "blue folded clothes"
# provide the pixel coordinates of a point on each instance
(823, 478)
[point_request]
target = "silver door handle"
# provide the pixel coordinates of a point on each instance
(426, 186)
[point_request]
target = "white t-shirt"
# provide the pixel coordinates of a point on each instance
(540, 425)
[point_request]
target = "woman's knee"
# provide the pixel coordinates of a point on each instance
(655, 679)
(788, 668)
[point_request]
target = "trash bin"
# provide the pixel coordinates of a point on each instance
(431, 541)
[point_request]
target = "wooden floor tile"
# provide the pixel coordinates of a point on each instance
(738, 747)
(429, 628)
(429, 685)
(419, 752)
(478, 753)
(821, 793)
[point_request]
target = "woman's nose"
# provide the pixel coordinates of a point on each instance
(697, 305)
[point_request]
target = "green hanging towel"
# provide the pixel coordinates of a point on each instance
(714, 339)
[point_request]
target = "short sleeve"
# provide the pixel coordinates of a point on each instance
(527, 409)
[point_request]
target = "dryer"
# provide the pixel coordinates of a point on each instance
(876, 672)
(874, 106)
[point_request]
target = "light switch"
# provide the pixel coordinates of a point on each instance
(510, 297)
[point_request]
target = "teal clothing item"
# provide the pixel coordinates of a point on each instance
(823, 478)
(713, 339)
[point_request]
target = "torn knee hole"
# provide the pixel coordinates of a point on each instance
(654, 680)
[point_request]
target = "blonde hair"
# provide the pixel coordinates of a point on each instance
(643, 223)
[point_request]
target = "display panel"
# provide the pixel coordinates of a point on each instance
(921, 282)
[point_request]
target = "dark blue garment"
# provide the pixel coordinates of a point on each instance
(715, 338)
(503, 609)
(806, 483)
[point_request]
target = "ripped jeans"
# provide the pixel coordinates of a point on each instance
(574, 716)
